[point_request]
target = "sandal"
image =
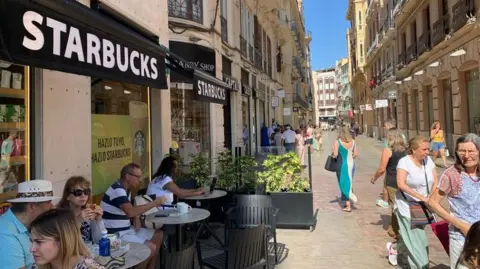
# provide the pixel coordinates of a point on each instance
(347, 210)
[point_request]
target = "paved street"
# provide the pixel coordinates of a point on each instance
(347, 240)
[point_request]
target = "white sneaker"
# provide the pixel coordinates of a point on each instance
(382, 203)
(392, 253)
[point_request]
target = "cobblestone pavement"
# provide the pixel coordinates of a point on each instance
(347, 240)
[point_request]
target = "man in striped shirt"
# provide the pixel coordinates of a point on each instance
(118, 211)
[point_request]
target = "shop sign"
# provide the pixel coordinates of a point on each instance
(287, 111)
(275, 101)
(246, 89)
(281, 93)
(368, 107)
(232, 83)
(78, 40)
(192, 56)
(362, 107)
(208, 88)
(381, 103)
(392, 95)
(295, 109)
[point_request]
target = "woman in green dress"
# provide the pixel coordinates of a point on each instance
(345, 151)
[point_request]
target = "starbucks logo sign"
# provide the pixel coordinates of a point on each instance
(139, 143)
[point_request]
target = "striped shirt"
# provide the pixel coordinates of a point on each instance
(114, 217)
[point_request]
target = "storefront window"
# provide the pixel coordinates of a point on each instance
(473, 83)
(14, 128)
(190, 124)
(120, 131)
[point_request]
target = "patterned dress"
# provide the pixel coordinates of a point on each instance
(346, 171)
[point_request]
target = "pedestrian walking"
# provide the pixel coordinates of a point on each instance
(345, 152)
(460, 185)
(437, 142)
(391, 155)
(289, 139)
(300, 146)
(416, 177)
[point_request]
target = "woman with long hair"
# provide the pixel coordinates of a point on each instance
(345, 151)
(460, 186)
(300, 146)
(416, 178)
(57, 243)
(163, 183)
(437, 142)
(470, 256)
(77, 196)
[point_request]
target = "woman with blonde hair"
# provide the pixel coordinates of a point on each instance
(416, 178)
(437, 142)
(345, 152)
(76, 197)
(57, 244)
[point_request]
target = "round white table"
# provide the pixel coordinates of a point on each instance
(137, 254)
(195, 215)
(215, 194)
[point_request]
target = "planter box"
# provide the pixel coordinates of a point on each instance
(295, 209)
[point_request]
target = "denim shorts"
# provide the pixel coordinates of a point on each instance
(436, 146)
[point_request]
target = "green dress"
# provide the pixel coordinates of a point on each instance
(346, 172)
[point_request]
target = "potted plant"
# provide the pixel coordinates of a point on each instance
(290, 191)
(200, 169)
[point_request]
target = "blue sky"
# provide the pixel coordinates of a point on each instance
(326, 20)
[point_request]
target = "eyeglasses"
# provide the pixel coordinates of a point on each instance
(79, 192)
(470, 152)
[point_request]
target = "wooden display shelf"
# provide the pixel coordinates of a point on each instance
(18, 159)
(6, 126)
(15, 93)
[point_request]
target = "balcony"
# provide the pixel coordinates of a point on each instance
(251, 57)
(462, 11)
(402, 60)
(186, 9)
(398, 7)
(308, 37)
(440, 29)
(224, 29)
(243, 47)
(411, 53)
(301, 101)
(373, 46)
(258, 59)
(423, 44)
(370, 8)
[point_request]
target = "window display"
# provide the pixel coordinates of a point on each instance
(14, 128)
(190, 124)
(473, 82)
(120, 131)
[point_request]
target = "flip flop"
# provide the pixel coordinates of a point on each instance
(347, 210)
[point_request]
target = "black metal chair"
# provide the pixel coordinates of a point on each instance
(183, 259)
(245, 249)
(252, 210)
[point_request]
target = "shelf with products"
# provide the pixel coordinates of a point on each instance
(14, 130)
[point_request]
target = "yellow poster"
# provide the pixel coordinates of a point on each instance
(111, 149)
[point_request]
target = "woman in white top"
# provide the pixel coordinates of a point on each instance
(163, 185)
(416, 177)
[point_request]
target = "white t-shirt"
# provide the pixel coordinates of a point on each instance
(156, 187)
(415, 180)
(289, 136)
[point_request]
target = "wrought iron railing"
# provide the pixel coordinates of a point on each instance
(402, 60)
(224, 28)
(412, 53)
(461, 12)
(251, 56)
(243, 47)
(186, 9)
(440, 29)
(258, 59)
(423, 44)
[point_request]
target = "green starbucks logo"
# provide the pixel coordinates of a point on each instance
(139, 143)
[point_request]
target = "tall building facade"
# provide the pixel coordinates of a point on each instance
(433, 48)
(260, 49)
(381, 61)
(344, 90)
(325, 95)
(356, 40)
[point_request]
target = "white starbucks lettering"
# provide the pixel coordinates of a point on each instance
(101, 52)
(209, 90)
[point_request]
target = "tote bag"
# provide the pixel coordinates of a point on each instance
(331, 164)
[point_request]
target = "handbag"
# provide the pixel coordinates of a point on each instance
(143, 200)
(331, 164)
(420, 214)
(440, 229)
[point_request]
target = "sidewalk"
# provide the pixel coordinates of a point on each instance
(347, 240)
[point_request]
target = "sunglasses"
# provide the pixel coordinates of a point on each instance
(79, 192)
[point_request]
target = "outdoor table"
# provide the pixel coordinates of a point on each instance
(137, 254)
(213, 195)
(195, 215)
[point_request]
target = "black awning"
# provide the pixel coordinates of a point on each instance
(209, 89)
(70, 37)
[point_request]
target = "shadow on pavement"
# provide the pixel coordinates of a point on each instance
(384, 221)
